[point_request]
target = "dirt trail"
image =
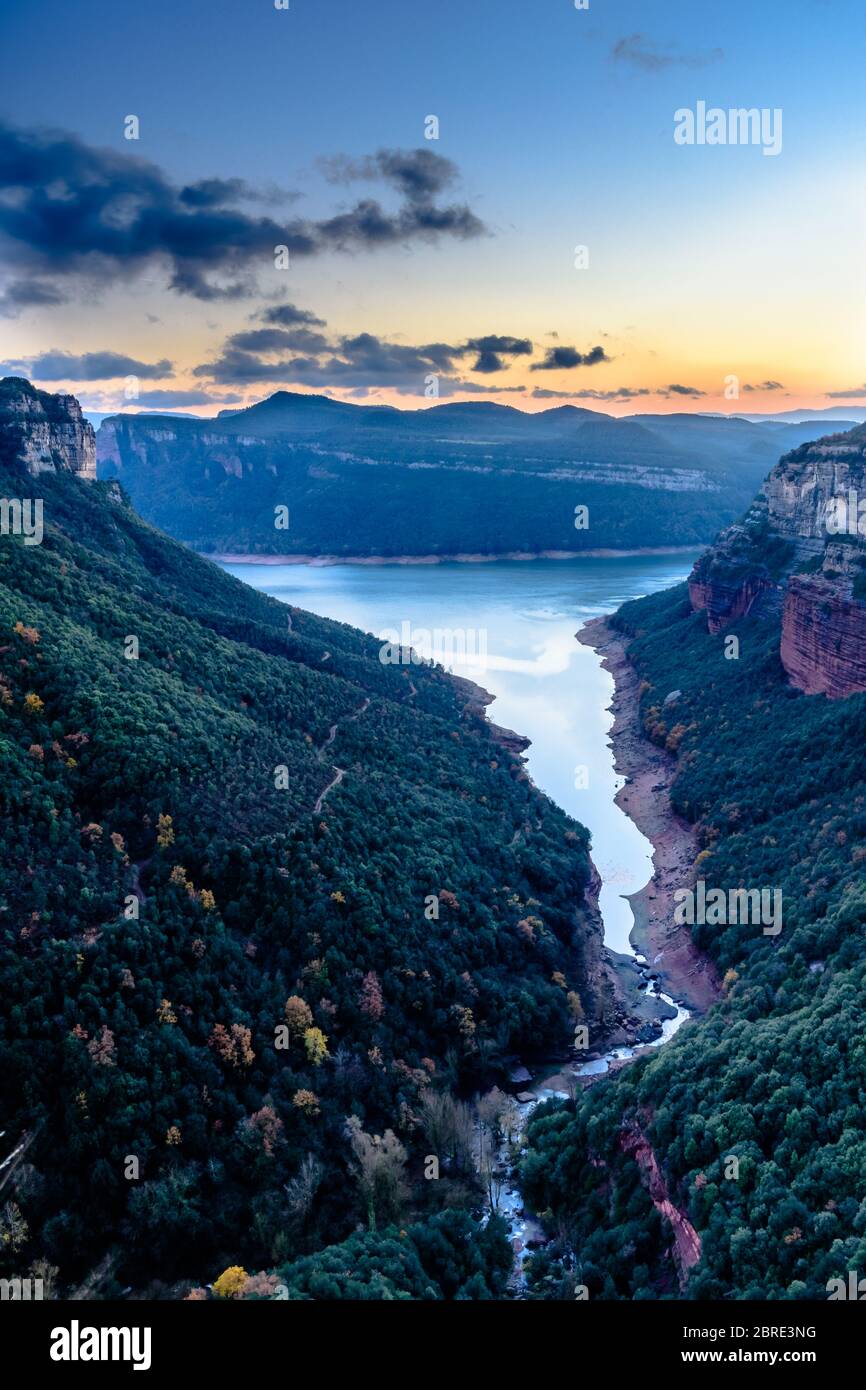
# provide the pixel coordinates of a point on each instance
(339, 772)
(685, 973)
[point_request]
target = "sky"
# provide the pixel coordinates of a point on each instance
(142, 272)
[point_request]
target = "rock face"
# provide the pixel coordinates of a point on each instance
(803, 540)
(44, 433)
(725, 599)
(686, 1248)
(823, 639)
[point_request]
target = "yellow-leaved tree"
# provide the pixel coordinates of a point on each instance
(231, 1282)
(316, 1045)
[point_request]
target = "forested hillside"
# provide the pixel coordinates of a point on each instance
(775, 1075)
(463, 478)
(217, 950)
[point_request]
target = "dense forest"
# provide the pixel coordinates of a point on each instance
(775, 1076)
(246, 997)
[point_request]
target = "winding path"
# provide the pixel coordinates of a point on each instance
(339, 772)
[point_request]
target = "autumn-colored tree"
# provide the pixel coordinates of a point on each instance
(33, 704)
(261, 1285)
(575, 1007)
(233, 1045)
(268, 1125)
(102, 1049)
(465, 1021)
(231, 1283)
(316, 1046)
(165, 832)
(306, 1101)
(370, 998)
(299, 1015)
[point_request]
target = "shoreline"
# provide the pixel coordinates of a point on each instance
(645, 798)
(459, 558)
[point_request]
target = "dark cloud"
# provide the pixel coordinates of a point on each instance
(358, 363)
(681, 391)
(279, 340)
(617, 393)
(174, 400)
(208, 193)
(493, 348)
(853, 393)
(418, 175)
(88, 366)
(765, 386)
(640, 51)
(559, 358)
(71, 210)
(351, 362)
(28, 294)
(449, 386)
(287, 315)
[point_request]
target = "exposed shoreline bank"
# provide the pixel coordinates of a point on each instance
(459, 558)
(645, 798)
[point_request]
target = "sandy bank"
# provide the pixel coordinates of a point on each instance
(685, 973)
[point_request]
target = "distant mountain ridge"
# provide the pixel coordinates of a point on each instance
(461, 478)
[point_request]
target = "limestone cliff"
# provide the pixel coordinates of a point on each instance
(802, 545)
(44, 433)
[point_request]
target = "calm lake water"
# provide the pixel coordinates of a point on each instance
(519, 620)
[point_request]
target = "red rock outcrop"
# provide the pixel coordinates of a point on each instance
(823, 645)
(724, 600)
(804, 537)
(687, 1242)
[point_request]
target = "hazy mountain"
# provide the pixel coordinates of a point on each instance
(458, 478)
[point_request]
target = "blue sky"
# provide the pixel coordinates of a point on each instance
(703, 262)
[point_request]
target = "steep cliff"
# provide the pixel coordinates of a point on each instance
(44, 433)
(802, 545)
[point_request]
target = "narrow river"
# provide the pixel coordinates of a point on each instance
(510, 626)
